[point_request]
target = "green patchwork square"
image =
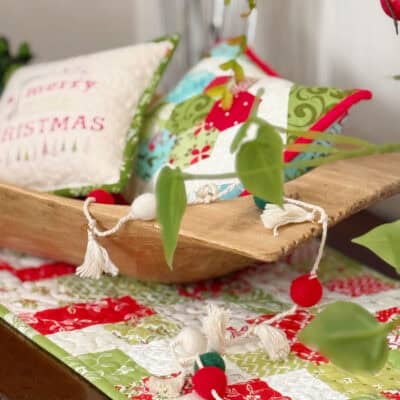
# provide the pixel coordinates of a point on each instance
(356, 384)
(257, 301)
(106, 286)
(259, 364)
(115, 366)
(146, 330)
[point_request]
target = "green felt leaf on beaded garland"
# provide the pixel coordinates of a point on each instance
(171, 205)
(349, 336)
(259, 165)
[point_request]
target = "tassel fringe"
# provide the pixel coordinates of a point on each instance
(97, 260)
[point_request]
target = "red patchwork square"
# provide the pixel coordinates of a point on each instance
(291, 324)
(391, 395)
(388, 315)
(45, 271)
(307, 354)
(81, 315)
(359, 285)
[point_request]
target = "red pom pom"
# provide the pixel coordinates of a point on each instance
(208, 378)
(306, 291)
(102, 196)
(395, 6)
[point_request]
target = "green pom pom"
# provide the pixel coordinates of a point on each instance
(211, 359)
(260, 203)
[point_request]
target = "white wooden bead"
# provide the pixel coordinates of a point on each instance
(144, 207)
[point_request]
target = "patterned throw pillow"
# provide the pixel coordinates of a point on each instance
(72, 125)
(190, 129)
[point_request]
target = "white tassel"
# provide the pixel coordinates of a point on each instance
(96, 260)
(274, 341)
(273, 217)
(214, 326)
(168, 387)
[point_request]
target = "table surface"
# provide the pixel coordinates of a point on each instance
(27, 372)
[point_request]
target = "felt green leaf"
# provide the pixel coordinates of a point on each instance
(216, 91)
(349, 336)
(384, 242)
(259, 165)
(396, 77)
(241, 41)
(171, 205)
(227, 99)
(236, 68)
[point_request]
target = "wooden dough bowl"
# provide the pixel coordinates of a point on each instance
(214, 240)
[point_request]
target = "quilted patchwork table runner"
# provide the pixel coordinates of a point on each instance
(116, 332)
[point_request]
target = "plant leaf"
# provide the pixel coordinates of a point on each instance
(311, 148)
(259, 165)
(396, 77)
(327, 137)
(384, 242)
(349, 336)
(171, 205)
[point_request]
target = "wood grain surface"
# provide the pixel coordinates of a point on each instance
(214, 240)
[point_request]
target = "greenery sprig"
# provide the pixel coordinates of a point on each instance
(9, 62)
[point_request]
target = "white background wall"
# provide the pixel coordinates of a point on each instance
(348, 43)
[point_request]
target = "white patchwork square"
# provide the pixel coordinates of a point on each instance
(156, 357)
(92, 339)
(301, 385)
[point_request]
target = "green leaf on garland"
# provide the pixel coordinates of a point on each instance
(384, 242)
(259, 165)
(349, 336)
(227, 99)
(216, 91)
(396, 77)
(236, 68)
(171, 205)
(240, 41)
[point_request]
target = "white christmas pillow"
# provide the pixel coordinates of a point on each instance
(72, 125)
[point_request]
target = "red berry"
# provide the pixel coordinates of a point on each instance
(395, 4)
(102, 196)
(306, 291)
(208, 378)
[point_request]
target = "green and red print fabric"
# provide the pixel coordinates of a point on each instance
(116, 332)
(191, 130)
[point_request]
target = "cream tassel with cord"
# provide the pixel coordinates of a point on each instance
(97, 260)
